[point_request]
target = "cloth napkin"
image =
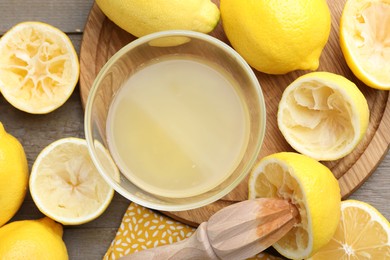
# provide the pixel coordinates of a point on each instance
(142, 228)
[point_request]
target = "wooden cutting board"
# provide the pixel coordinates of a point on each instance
(102, 38)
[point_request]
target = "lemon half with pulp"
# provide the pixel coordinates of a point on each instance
(311, 187)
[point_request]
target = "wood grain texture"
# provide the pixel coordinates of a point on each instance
(69, 16)
(90, 241)
(102, 38)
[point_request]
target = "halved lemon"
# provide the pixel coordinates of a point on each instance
(311, 187)
(39, 67)
(365, 40)
(363, 233)
(66, 186)
(323, 115)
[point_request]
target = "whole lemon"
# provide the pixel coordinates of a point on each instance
(277, 36)
(13, 175)
(141, 17)
(32, 239)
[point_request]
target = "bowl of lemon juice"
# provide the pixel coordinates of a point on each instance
(180, 114)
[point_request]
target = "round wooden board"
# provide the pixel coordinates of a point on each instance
(102, 38)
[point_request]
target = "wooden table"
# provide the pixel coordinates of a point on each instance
(91, 240)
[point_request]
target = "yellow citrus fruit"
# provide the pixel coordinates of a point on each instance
(311, 187)
(277, 37)
(364, 40)
(32, 239)
(39, 67)
(66, 186)
(323, 115)
(363, 233)
(13, 175)
(142, 17)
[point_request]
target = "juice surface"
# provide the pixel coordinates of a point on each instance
(178, 127)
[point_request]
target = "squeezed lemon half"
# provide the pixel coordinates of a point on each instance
(365, 40)
(323, 115)
(39, 67)
(311, 187)
(66, 186)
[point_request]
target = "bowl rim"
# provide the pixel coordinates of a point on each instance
(94, 88)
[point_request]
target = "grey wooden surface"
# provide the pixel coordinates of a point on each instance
(91, 240)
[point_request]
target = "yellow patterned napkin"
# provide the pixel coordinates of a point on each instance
(142, 228)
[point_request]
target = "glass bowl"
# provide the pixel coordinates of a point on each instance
(197, 64)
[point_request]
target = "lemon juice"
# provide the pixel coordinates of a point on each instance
(178, 127)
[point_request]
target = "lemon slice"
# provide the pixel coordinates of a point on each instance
(66, 186)
(39, 67)
(323, 115)
(365, 40)
(363, 233)
(311, 187)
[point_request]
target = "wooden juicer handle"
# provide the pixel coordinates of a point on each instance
(238, 231)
